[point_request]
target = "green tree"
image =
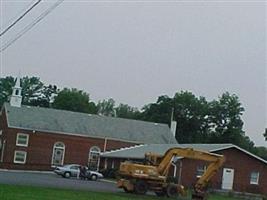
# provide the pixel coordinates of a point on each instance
(225, 119)
(73, 100)
(34, 92)
(246, 143)
(199, 121)
(6, 85)
(126, 111)
(93, 108)
(261, 152)
(31, 89)
(159, 112)
(106, 107)
(191, 114)
(45, 97)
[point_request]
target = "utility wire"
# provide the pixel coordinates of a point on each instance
(31, 25)
(20, 17)
(3, 25)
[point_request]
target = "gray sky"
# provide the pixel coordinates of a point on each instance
(136, 51)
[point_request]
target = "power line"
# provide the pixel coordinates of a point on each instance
(31, 25)
(17, 15)
(20, 17)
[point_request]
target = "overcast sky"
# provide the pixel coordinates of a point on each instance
(135, 51)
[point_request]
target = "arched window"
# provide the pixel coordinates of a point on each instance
(59, 145)
(58, 154)
(94, 158)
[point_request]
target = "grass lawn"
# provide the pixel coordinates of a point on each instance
(11, 192)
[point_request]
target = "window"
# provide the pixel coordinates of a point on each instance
(75, 167)
(1, 132)
(94, 157)
(201, 170)
(20, 157)
(22, 139)
(58, 154)
(254, 178)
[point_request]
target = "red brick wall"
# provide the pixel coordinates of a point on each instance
(40, 148)
(242, 164)
(3, 127)
(189, 169)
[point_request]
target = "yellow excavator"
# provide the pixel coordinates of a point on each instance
(153, 174)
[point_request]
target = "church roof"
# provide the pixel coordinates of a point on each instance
(75, 123)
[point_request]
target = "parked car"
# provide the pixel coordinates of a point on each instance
(72, 170)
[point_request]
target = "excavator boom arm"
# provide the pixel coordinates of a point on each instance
(215, 159)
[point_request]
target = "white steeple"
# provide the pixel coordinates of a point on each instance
(16, 97)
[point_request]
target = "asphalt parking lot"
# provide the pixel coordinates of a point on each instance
(52, 180)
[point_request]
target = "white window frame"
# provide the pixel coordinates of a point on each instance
(58, 145)
(25, 157)
(17, 140)
(201, 169)
(252, 182)
(94, 150)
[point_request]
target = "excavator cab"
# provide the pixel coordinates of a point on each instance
(152, 159)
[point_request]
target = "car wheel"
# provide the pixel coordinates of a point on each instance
(67, 174)
(94, 177)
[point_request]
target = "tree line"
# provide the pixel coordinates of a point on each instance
(198, 120)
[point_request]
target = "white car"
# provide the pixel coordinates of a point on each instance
(72, 170)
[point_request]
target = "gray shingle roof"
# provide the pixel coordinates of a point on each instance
(138, 152)
(60, 121)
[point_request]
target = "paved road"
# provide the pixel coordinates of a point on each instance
(54, 181)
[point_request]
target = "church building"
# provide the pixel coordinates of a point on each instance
(36, 138)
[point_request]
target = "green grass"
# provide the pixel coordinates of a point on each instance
(11, 192)
(218, 197)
